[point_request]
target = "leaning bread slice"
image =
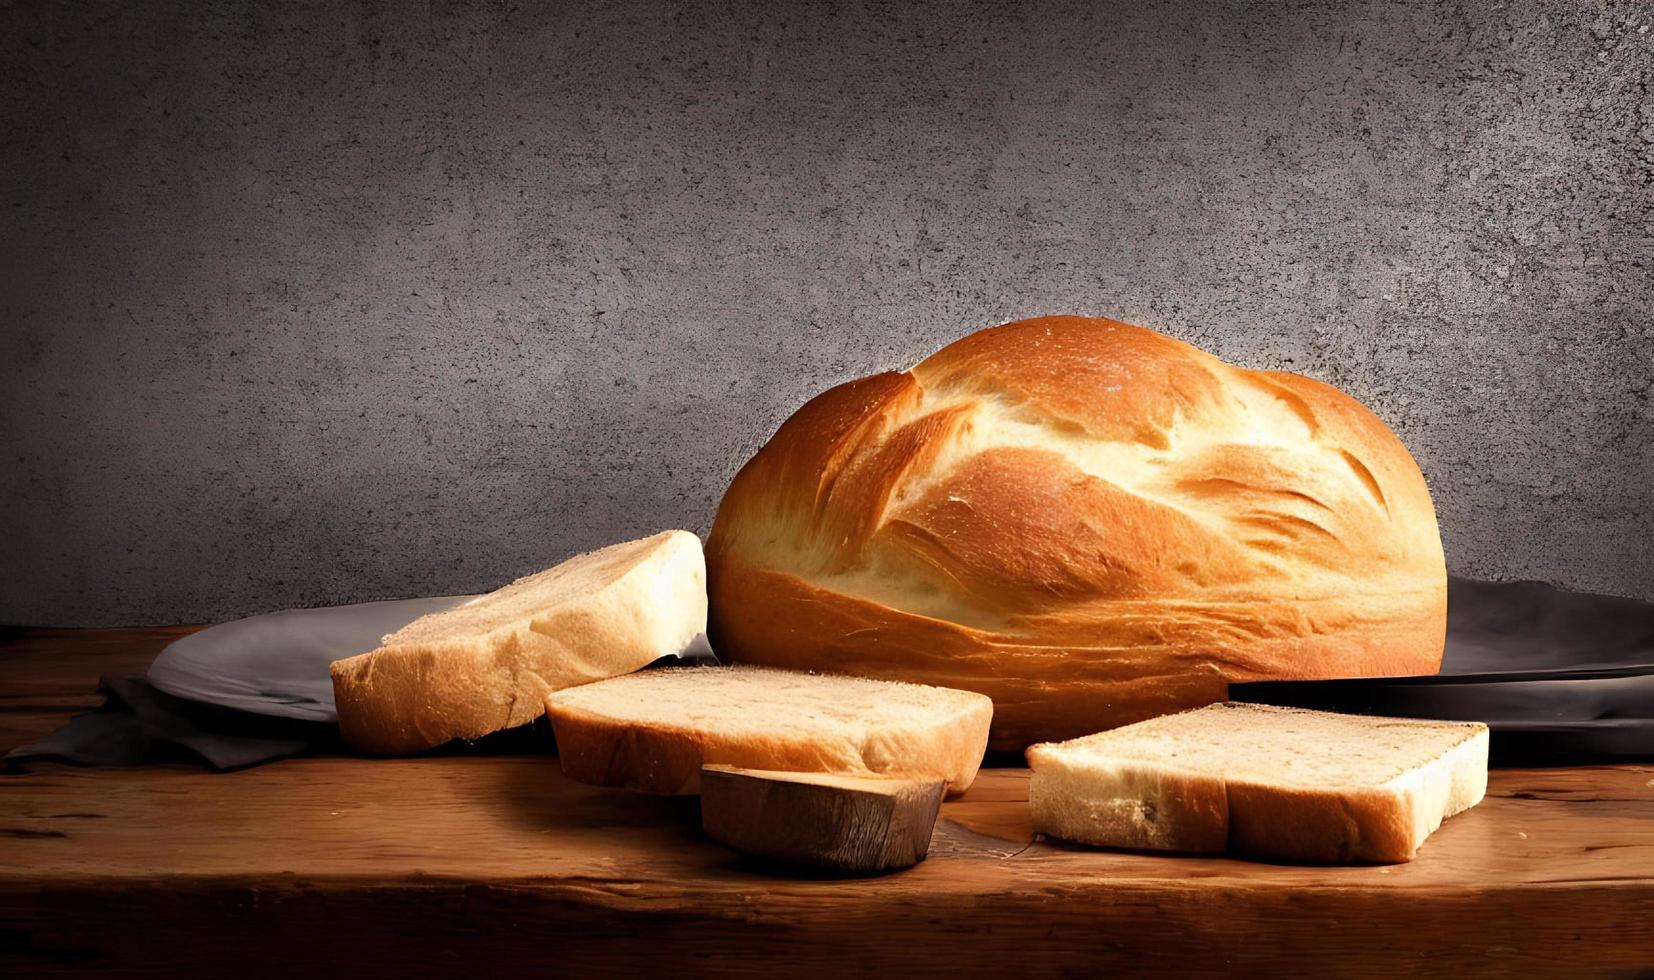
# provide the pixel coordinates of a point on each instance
(487, 665)
(1271, 782)
(654, 730)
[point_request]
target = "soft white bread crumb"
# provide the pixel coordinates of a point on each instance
(1273, 782)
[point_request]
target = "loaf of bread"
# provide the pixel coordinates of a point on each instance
(1085, 520)
(654, 730)
(1280, 783)
(489, 664)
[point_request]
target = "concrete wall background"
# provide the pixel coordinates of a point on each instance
(311, 304)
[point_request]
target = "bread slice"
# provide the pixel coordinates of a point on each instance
(1281, 783)
(654, 730)
(830, 820)
(487, 665)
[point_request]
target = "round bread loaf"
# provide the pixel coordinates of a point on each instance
(1087, 521)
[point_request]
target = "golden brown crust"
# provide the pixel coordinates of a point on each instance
(1089, 522)
(407, 699)
(1321, 826)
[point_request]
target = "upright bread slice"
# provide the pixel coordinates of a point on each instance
(653, 731)
(828, 819)
(1272, 782)
(488, 665)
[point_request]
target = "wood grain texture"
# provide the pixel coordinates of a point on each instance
(48, 676)
(50, 670)
(497, 864)
(846, 823)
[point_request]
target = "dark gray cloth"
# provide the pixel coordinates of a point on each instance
(138, 723)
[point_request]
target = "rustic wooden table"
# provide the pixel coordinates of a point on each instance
(491, 864)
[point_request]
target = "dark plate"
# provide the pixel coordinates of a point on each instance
(1557, 676)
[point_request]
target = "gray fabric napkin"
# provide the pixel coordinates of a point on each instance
(138, 724)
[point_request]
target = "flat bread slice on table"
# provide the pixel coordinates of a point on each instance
(1271, 782)
(653, 731)
(487, 665)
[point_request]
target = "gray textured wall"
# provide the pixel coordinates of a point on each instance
(304, 305)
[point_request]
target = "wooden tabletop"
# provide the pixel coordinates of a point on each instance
(489, 864)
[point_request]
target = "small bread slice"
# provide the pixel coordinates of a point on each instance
(654, 730)
(487, 665)
(830, 820)
(1282, 783)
